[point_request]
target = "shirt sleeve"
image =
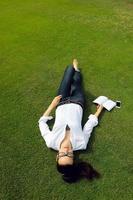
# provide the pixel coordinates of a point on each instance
(88, 127)
(44, 129)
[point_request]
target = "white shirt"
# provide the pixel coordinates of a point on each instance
(71, 115)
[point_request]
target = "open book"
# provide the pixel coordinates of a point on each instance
(107, 103)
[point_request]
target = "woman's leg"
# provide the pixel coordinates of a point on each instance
(77, 94)
(65, 86)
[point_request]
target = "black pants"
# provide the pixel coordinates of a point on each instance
(70, 87)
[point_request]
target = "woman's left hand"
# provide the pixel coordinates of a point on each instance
(55, 101)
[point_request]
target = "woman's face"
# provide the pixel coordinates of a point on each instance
(65, 156)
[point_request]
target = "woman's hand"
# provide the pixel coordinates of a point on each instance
(55, 101)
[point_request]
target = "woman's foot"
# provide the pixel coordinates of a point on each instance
(75, 64)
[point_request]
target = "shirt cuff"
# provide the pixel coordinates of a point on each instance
(45, 118)
(93, 119)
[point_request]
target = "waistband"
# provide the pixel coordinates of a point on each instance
(67, 101)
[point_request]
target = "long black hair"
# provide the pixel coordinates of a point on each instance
(73, 173)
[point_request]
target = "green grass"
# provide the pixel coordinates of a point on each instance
(37, 40)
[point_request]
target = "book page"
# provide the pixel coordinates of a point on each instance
(100, 100)
(109, 104)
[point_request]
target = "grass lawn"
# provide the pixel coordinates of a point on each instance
(37, 40)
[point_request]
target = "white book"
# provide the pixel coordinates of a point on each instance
(105, 102)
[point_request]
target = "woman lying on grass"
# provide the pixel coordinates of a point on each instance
(67, 135)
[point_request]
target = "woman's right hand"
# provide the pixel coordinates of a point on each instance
(55, 101)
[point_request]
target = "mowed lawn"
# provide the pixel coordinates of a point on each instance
(37, 40)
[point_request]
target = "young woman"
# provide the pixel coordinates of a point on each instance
(67, 134)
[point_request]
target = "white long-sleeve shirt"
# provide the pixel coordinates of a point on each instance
(71, 115)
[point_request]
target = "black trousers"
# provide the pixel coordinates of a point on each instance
(70, 87)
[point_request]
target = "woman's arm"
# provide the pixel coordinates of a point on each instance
(91, 123)
(43, 126)
(53, 104)
(48, 111)
(99, 110)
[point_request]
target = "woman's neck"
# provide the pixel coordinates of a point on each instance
(66, 141)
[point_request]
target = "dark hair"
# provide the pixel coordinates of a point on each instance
(73, 173)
